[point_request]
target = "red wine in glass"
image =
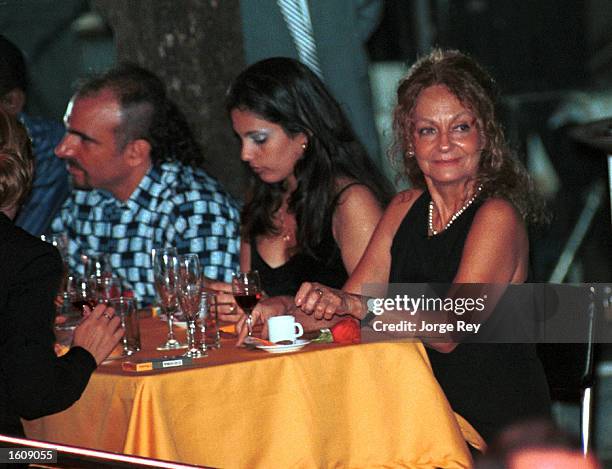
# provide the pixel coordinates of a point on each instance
(79, 305)
(247, 302)
(81, 292)
(246, 289)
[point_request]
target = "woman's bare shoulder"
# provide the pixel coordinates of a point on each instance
(398, 208)
(405, 199)
(498, 211)
(351, 190)
(497, 246)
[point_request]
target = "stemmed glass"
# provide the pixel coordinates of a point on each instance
(107, 288)
(77, 294)
(190, 286)
(166, 277)
(81, 292)
(60, 241)
(247, 292)
(97, 264)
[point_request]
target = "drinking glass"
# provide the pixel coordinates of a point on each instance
(81, 292)
(76, 293)
(60, 241)
(107, 288)
(97, 264)
(166, 277)
(190, 285)
(208, 319)
(125, 308)
(247, 292)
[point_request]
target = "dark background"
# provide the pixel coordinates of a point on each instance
(545, 55)
(552, 60)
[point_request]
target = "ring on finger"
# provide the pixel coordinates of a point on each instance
(319, 292)
(106, 315)
(232, 308)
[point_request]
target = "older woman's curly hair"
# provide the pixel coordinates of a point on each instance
(16, 162)
(500, 173)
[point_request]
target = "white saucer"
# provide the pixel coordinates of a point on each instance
(298, 345)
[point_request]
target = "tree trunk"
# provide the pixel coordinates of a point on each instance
(195, 47)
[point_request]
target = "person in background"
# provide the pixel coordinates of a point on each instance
(463, 222)
(338, 32)
(535, 444)
(33, 381)
(315, 196)
(51, 182)
(132, 158)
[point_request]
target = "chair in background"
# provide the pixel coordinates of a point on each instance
(569, 366)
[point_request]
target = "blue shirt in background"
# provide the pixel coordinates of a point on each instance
(51, 180)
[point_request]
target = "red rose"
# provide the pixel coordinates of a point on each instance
(347, 331)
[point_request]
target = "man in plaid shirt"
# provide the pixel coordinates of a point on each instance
(131, 156)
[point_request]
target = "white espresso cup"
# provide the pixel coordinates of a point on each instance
(284, 328)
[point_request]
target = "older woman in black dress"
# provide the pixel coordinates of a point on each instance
(464, 221)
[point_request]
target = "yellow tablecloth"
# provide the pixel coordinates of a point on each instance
(372, 405)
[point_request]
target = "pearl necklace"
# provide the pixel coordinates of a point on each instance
(455, 215)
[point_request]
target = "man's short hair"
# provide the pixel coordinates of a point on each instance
(13, 71)
(146, 113)
(16, 162)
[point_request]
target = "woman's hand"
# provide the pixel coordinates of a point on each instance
(227, 309)
(321, 301)
(99, 332)
(265, 309)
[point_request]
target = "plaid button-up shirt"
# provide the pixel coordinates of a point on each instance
(174, 205)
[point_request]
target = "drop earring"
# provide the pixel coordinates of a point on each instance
(409, 150)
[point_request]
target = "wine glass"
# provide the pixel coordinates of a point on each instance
(76, 295)
(97, 264)
(107, 288)
(247, 292)
(125, 309)
(166, 277)
(209, 328)
(190, 285)
(60, 241)
(81, 292)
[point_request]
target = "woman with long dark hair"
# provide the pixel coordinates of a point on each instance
(315, 196)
